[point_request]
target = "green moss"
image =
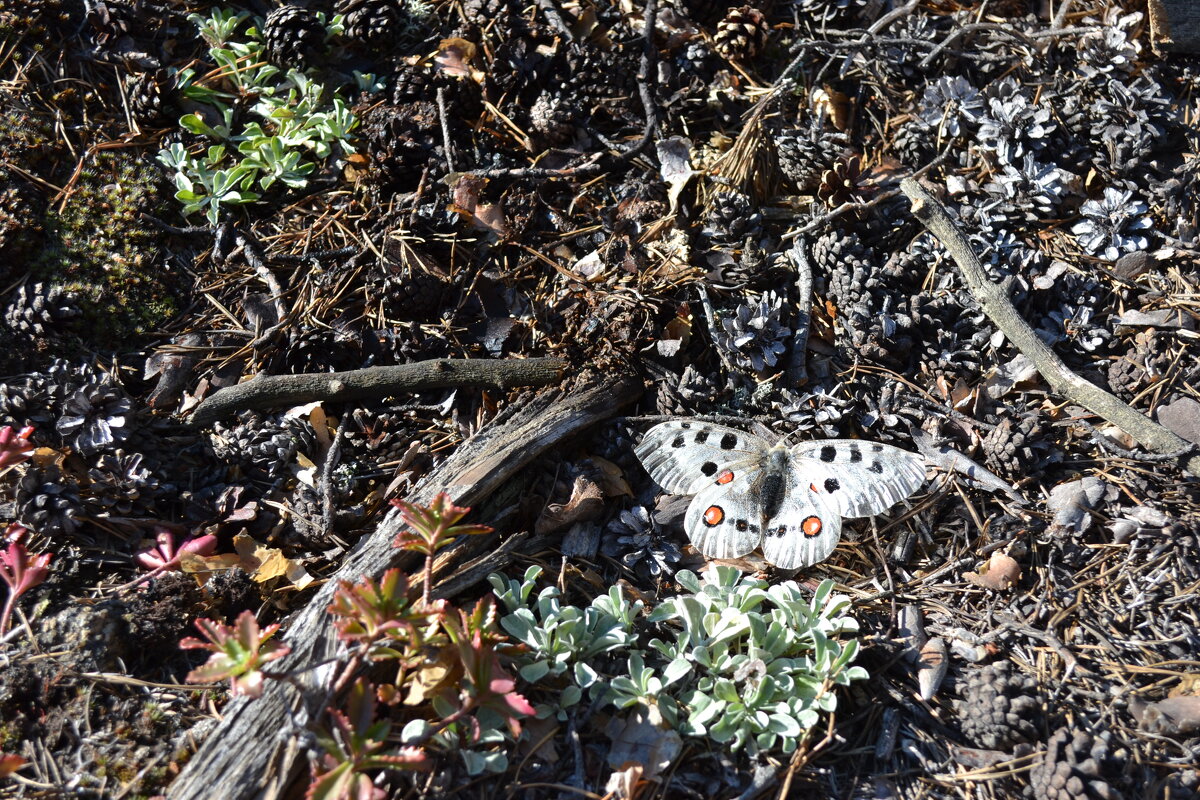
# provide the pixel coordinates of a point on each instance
(100, 246)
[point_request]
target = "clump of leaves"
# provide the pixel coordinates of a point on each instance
(19, 569)
(747, 665)
(294, 122)
(450, 674)
(239, 652)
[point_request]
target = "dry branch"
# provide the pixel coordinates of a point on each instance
(256, 751)
(1001, 311)
(267, 391)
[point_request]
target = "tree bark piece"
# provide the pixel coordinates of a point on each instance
(254, 752)
(1001, 311)
(267, 391)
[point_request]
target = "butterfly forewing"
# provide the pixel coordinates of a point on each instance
(684, 457)
(856, 478)
(724, 519)
(803, 532)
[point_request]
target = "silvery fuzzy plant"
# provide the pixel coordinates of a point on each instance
(744, 664)
(298, 121)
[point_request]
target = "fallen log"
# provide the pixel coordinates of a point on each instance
(256, 750)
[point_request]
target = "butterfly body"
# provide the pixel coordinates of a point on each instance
(787, 500)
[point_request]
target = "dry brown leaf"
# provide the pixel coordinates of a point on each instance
(643, 739)
(931, 667)
(587, 501)
(454, 57)
(1002, 572)
(1174, 716)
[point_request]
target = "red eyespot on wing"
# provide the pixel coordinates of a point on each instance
(725, 477)
(811, 526)
(813, 488)
(713, 516)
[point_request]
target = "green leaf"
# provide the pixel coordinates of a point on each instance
(535, 672)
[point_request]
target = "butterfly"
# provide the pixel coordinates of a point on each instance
(787, 500)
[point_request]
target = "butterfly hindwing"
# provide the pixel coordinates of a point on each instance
(856, 478)
(683, 457)
(724, 519)
(803, 531)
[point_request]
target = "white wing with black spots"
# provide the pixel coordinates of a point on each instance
(856, 478)
(724, 520)
(683, 457)
(803, 532)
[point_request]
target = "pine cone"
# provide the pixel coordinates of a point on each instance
(742, 35)
(1147, 360)
(94, 416)
(149, 96)
(844, 183)
(121, 486)
(24, 403)
(264, 447)
(805, 154)
(999, 707)
(1012, 449)
(47, 502)
(850, 265)
(40, 309)
(1073, 768)
(732, 217)
(552, 118)
(374, 25)
(293, 37)
(752, 336)
(402, 141)
(915, 143)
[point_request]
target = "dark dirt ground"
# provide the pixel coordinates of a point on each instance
(547, 180)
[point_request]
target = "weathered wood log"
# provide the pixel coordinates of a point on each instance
(268, 391)
(255, 751)
(1175, 25)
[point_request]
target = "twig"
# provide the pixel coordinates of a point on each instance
(267, 391)
(1001, 312)
(879, 24)
(332, 457)
(797, 369)
(441, 106)
(959, 32)
(646, 74)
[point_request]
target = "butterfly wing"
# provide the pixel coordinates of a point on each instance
(683, 457)
(856, 478)
(724, 519)
(803, 531)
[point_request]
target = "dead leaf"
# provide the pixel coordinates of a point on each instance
(675, 160)
(587, 501)
(610, 477)
(1008, 375)
(454, 57)
(643, 739)
(1002, 573)
(1174, 716)
(431, 676)
(1071, 504)
(932, 667)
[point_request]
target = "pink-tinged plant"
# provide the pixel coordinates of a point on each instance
(20, 569)
(239, 652)
(429, 529)
(165, 557)
(356, 744)
(485, 683)
(15, 446)
(368, 613)
(10, 763)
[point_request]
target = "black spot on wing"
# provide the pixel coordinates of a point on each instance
(685, 425)
(708, 468)
(677, 441)
(728, 441)
(828, 453)
(832, 485)
(742, 525)
(855, 454)
(876, 448)
(876, 467)
(701, 437)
